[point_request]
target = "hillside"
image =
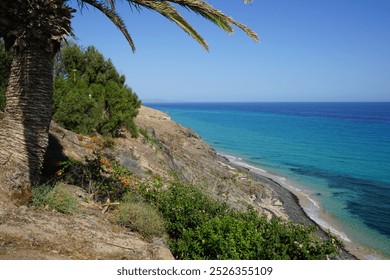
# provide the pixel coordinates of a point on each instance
(165, 149)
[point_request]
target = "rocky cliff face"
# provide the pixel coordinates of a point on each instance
(183, 152)
(164, 148)
(169, 150)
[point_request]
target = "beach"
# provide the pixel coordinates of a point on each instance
(302, 209)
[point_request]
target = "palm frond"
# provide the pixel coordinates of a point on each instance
(206, 11)
(114, 17)
(220, 19)
(168, 11)
(112, 2)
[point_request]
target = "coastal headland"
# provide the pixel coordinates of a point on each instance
(164, 148)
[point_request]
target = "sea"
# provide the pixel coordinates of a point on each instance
(335, 154)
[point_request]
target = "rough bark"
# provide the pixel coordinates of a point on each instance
(25, 124)
(33, 30)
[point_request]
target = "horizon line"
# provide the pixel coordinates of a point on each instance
(151, 101)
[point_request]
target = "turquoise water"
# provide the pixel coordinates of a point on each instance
(339, 152)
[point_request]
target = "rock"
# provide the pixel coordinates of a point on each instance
(194, 161)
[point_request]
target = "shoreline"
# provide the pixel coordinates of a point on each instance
(295, 201)
(301, 205)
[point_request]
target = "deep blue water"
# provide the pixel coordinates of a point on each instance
(340, 152)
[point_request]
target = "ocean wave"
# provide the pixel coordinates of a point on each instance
(240, 162)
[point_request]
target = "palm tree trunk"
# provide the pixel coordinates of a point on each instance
(25, 124)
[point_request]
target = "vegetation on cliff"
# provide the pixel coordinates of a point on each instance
(194, 225)
(90, 95)
(202, 228)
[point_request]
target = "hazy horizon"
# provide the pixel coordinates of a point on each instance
(152, 101)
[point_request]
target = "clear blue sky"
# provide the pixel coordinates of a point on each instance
(310, 50)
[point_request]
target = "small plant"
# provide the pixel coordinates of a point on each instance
(59, 198)
(141, 217)
(39, 195)
(149, 138)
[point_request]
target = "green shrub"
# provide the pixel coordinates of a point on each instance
(198, 226)
(39, 195)
(59, 198)
(76, 110)
(184, 207)
(202, 228)
(234, 237)
(141, 217)
(89, 94)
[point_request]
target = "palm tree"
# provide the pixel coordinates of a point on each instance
(34, 30)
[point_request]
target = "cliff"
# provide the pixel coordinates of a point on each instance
(164, 148)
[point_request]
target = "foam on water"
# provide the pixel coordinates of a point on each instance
(238, 161)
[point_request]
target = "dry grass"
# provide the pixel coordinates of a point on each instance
(60, 199)
(142, 218)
